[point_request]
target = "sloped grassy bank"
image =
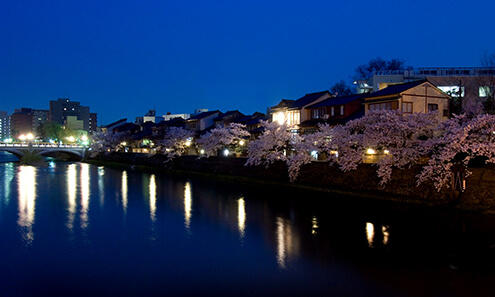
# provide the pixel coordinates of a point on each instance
(320, 176)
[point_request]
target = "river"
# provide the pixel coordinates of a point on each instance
(74, 229)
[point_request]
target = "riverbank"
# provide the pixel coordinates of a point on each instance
(320, 177)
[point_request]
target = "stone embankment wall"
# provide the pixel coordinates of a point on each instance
(363, 182)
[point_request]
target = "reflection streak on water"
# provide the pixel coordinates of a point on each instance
(286, 242)
(152, 197)
(370, 233)
(71, 192)
(26, 180)
(314, 226)
(101, 185)
(386, 234)
(124, 190)
(241, 216)
(85, 186)
(187, 204)
(9, 175)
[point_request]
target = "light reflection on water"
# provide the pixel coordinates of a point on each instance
(276, 238)
(71, 195)
(26, 179)
(152, 193)
(187, 204)
(85, 186)
(124, 190)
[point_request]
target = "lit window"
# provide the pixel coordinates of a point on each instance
(485, 91)
(453, 91)
(342, 110)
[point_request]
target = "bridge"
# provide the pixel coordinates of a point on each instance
(43, 149)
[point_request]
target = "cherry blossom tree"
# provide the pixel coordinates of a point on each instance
(461, 140)
(106, 141)
(231, 137)
(271, 146)
(396, 140)
(176, 141)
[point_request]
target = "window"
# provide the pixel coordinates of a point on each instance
(407, 107)
(484, 91)
(380, 106)
(432, 107)
(342, 110)
(332, 111)
(315, 114)
(453, 91)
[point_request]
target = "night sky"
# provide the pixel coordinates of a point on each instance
(124, 57)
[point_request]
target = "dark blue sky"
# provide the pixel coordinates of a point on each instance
(124, 57)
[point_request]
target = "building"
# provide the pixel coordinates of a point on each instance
(39, 117)
(4, 125)
(412, 97)
(224, 119)
(150, 116)
(335, 110)
(110, 127)
(93, 122)
(169, 116)
(21, 122)
(62, 108)
(202, 121)
(474, 84)
(294, 112)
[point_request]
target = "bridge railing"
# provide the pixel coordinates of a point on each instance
(40, 145)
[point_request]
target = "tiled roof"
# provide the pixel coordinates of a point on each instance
(395, 89)
(337, 100)
(304, 100)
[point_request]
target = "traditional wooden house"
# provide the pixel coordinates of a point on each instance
(413, 97)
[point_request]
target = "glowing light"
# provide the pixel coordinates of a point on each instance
(226, 152)
(335, 153)
(314, 226)
(71, 192)
(124, 190)
(187, 204)
(386, 234)
(26, 182)
(279, 117)
(202, 151)
(314, 155)
(84, 138)
(152, 197)
(51, 141)
(241, 143)
(123, 143)
(370, 233)
(85, 186)
(29, 136)
(22, 137)
(9, 176)
(241, 216)
(370, 151)
(70, 138)
(188, 142)
(8, 140)
(386, 152)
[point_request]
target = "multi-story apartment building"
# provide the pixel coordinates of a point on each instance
(27, 120)
(4, 125)
(64, 109)
(93, 122)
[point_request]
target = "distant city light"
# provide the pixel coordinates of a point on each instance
(226, 152)
(71, 138)
(241, 142)
(202, 151)
(8, 140)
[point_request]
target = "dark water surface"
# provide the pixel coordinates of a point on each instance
(73, 229)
